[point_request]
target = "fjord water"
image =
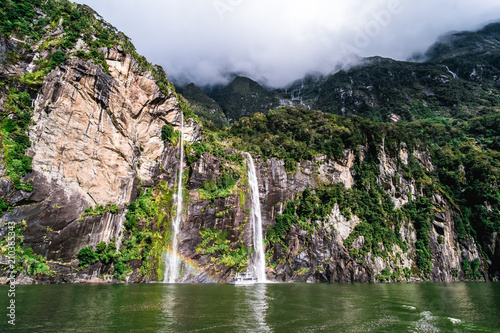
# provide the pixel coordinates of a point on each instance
(409, 307)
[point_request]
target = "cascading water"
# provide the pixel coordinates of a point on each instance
(455, 76)
(259, 259)
(172, 261)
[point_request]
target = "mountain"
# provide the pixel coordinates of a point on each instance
(458, 77)
(203, 106)
(90, 164)
(243, 97)
(83, 130)
(383, 87)
(460, 44)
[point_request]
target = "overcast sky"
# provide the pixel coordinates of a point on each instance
(278, 41)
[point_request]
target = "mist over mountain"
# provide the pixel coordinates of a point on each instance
(275, 43)
(458, 74)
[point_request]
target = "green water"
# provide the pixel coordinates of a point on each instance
(419, 307)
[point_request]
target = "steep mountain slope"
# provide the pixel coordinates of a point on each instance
(464, 43)
(243, 97)
(424, 190)
(458, 76)
(89, 162)
(472, 56)
(409, 90)
(203, 106)
(82, 129)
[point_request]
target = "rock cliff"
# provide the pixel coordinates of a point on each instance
(95, 137)
(322, 254)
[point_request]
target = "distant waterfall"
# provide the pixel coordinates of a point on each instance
(455, 76)
(172, 261)
(259, 259)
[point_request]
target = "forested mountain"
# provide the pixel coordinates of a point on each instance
(387, 171)
(457, 77)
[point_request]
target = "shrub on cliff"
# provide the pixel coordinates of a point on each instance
(167, 133)
(86, 256)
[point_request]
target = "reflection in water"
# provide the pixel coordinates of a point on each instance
(257, 301)
(422, 307)
(168, 301)
(250, 312)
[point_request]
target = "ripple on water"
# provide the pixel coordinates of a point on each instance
(426, 323)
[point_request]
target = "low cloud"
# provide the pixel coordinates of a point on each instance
(278, 41)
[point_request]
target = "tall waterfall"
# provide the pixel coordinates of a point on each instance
(259, 259)
(172, 261)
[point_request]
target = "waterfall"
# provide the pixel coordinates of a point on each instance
(455, 76)
(259, 259)
(172, 261)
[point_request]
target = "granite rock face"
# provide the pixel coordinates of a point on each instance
(322, 255)
(95, 136)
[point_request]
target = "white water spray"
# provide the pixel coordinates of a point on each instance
(259, 259)
(172, 261)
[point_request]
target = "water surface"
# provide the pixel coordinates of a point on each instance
(408, 307)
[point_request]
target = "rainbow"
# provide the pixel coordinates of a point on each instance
(191, 267)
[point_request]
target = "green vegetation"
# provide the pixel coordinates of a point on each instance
(34, 80)
(385, 275)
(221, 187)
(419, 212)
(194, 151)
(204, 107)
(15, 141)
(451, 146)
(99, 210)
(243, 97)
(292, 135)
(106, 254)
(3, 207)
(148, 229)
(86, 256)
(222, 250)
(167, 133)
(471, 269)
(20, 18)
(25, 261)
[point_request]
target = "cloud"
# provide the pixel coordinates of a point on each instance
(278, 41)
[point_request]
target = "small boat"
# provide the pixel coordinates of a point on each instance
(243, 279)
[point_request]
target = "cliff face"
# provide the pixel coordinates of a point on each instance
(95, 137)
(322, 255)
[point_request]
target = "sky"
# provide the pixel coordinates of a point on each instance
(278, 41)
